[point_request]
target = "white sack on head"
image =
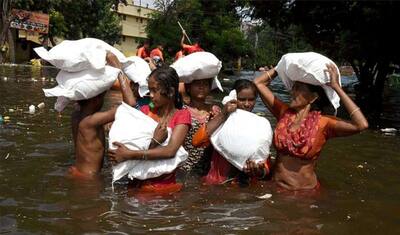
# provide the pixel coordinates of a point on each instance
(135, 130)
(232, 96)
(307, 67)
(138, 72)
(198, 66)
(81, 85)
(78, 55)
(244, 135)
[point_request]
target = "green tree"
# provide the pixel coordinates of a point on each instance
(215, 24)
(361, 33)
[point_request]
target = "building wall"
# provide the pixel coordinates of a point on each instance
(134, 21)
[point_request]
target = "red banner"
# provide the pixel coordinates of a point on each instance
(29, 21)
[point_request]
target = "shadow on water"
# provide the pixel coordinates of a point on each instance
(359, 175)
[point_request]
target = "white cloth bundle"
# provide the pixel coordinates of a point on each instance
(307, 67)
(78, 55)
(198, 66)
(135, 130)
(138, 72)
(232, 96)
(244, 135)
(81, 85)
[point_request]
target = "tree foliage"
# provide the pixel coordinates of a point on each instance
(215, 24)
(361, 33)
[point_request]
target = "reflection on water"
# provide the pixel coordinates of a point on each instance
(359, 178)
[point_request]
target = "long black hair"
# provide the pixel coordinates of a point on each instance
(168, 80)
(241, 84)
(322, 103)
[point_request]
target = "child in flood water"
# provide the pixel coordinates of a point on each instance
(87, 127)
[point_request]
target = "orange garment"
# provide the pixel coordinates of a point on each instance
(156, 52)
(189, 49)
(306, 141)
(142, 53)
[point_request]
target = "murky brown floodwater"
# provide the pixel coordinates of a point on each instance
(359, 175)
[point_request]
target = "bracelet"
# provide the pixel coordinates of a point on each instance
(269, 76)
(156, 141)
(355, 110)
(144, 157)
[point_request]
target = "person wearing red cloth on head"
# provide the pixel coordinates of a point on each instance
(189, 49)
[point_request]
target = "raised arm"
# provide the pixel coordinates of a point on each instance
(358, 121)
(214, 123)
(262, 83)
(127, 94)
(122, 153)
(183, 41)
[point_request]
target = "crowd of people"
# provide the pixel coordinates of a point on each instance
(303, 127)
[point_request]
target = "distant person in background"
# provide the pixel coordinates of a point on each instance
(144, 51)
(157, 54)
(179, 55)
(189, 49)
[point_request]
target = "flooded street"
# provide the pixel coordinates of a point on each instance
(359, 175)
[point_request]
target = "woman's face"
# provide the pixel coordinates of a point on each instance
(246, 99)
(301, 96)
(156, 97)
(199, 89)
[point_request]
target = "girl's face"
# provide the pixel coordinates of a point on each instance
(199, 89)
(156, 97)
(246, 99)
(301, 96)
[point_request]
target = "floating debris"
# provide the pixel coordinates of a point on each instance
(32, 109)
(41, 105)
(11, 110)
(265, 196)
(388, 130)
(6, 118)
(360, 166)
(8, 154)
(313, 206)
(43, 78)
(5, 79)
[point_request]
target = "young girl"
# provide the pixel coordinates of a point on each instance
(221, 170)
(168, 112)
(201, 112)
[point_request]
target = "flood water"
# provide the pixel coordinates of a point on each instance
(359, 177)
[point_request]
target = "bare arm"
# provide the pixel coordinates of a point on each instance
(358, 122)
(99, 118)
(178, 136)
(127, 94)
(262, 83)
(214, 123)
(183, 41)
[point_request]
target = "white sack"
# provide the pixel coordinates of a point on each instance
(232, 96)
(307, 67)
(78, 55)
(138, 72)
(197, 66)
(81, 85)
(135, 130)
(244, 135)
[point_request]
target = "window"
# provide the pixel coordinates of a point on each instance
(141, 20)
(124, 17)
(123, 38)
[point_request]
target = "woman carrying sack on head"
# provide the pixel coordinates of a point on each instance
(303, 127)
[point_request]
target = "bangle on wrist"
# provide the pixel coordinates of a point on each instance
(352, 112)
(156, 141)
(144, 156)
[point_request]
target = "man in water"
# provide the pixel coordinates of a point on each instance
(87, 127)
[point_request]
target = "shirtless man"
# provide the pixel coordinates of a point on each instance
(87, 127)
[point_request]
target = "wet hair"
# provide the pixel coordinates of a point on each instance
(168, 81)
(242, 84)
(322, 103)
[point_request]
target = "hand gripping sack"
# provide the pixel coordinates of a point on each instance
(307, 67)
(81, 85)
(198, 66)
(78, 55)
(244, 135)
(138, 71)
(135, 130)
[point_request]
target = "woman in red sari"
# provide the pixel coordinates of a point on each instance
(303, 128)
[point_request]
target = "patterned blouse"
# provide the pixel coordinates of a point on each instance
(199, 157)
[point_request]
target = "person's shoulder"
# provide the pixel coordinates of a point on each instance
(183, 112)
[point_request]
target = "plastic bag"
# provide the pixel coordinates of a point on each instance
(135, 130)
(244, 135)
(307, 67)
(197, 66)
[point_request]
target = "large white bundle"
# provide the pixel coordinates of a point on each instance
(134, 129)
(138, 72)
(244, 135)
(81, 85)
(307, 67)
(78, 55)
(197, 66)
